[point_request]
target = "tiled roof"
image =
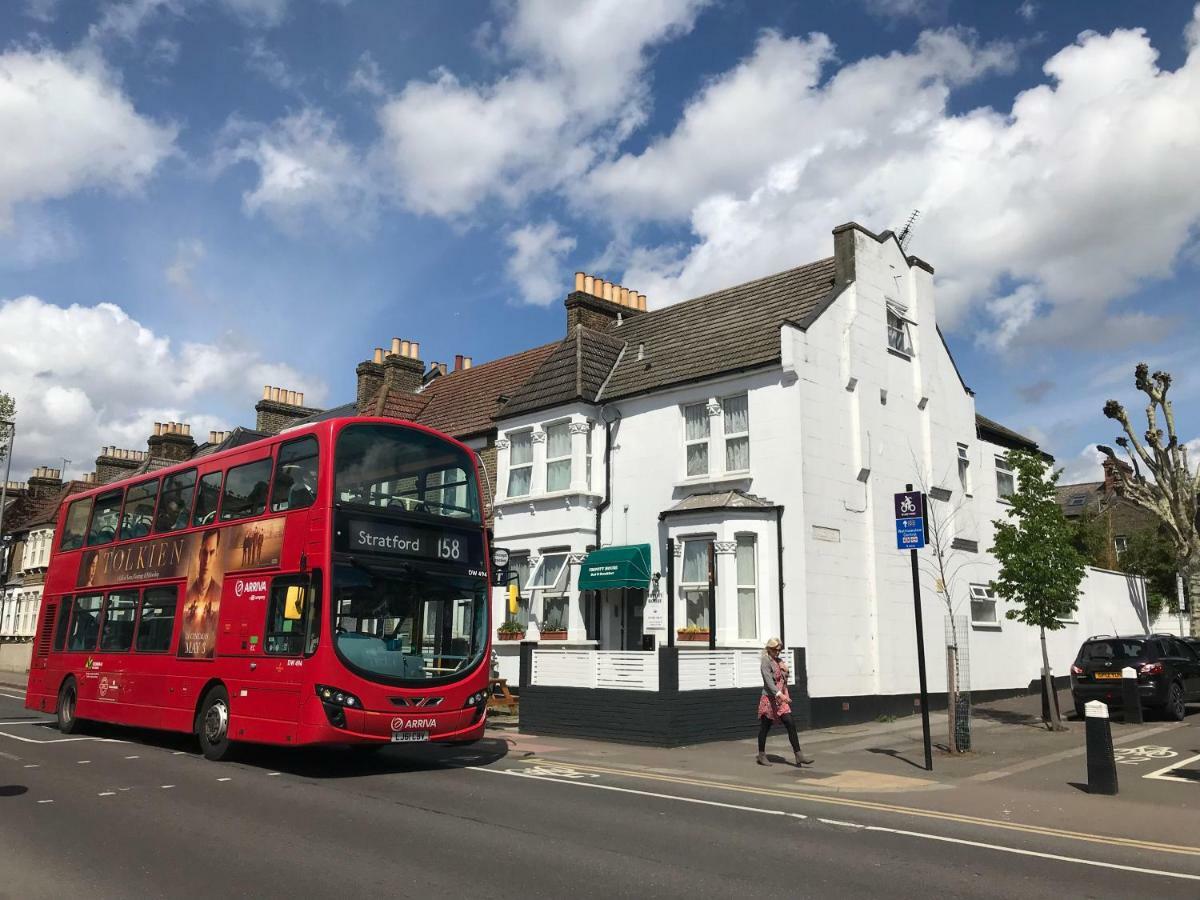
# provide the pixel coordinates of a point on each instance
(727, 331)
(463, 403)
(28, 512)
(400, 404)
(721, 500)
(1074, 499)
(575, 370)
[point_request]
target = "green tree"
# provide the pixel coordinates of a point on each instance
(1040, 567)
(1151, 554)
(1091, 538)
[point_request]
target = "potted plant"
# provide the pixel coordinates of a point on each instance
(693, 633)
(551, 633)
(511, 630)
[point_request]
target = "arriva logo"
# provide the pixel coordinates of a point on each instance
(253, 587)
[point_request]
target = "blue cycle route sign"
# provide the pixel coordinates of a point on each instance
(910, 521)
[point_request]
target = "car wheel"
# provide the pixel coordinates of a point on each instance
(68, 721)
(1175, 709)
(212, 725)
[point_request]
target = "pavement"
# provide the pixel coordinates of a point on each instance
(120, 812)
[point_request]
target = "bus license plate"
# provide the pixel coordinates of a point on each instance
(409, 737)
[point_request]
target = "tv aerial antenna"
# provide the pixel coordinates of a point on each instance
(906, 232)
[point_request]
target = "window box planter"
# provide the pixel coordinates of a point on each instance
(511, 635)
(697, 636)
(554, 635)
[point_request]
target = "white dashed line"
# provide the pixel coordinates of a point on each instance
(133, 757)
(177, 753)
(124, 789)
(107, 794)
(167, 786)
(32, 766)
(12, 697)
(839, 822)
(273, 774)
(84, 762)
(45, 801)
(223, 779)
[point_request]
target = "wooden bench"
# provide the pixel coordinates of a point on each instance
(505, 697)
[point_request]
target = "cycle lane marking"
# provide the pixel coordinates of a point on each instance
(1162, 774)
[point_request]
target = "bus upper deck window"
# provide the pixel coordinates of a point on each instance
(104, 518)
(176, 503)
(295, 484)
(75, 528)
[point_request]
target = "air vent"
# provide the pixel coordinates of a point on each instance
(416, 701)
(43, 644)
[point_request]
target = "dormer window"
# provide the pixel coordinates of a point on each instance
(898, 324)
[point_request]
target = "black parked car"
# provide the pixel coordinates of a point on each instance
(1168, 672)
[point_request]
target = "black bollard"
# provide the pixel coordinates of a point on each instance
(1131, 701)
(1101, 765)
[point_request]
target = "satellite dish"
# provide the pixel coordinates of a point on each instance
(609, 414)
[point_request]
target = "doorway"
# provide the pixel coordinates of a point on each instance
(619, 618)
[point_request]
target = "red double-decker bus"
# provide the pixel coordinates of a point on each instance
(326, 585)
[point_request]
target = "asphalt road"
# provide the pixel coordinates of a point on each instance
(120, 813)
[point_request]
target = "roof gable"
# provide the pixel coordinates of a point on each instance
(575, 369)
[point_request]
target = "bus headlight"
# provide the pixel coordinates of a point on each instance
(337, 697)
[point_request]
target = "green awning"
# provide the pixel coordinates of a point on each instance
(616, 567)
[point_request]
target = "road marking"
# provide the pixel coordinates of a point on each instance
(45, 801)
(1064, 754)
(876, 806)
(84, 762)
(25, 740)
(167, 786)
(11, 756)
(223, 779)
(107, 794)
(32, 766)
(13, 697)
(124, 789)
(274, 773)
(1161, 774)
(877, 828)
(133, 757)
(1135, 756)
(28, 722)
(178, 752)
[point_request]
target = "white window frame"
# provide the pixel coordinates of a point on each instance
(752, 586)
(734, 435)
(898, 334)
(1120, 543)
(553, 460)
(964, 468)
(706, 440)
(513, 437)
(983, 593)
(1004, 469)
(696, 587)
(588, 456)
(536, 577)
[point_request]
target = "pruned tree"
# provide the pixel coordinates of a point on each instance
(1040, 568)
(1161, 479)
(8, 409)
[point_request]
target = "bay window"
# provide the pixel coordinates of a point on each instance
(558, 457)
(694, 583)
(549, 572)
(520, 464)
(747, 587)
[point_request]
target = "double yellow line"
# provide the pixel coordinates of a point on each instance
(958, 818)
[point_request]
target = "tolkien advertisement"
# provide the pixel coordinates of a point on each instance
(203, 557)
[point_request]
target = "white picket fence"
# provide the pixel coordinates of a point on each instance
(625, 670)
(699, 670)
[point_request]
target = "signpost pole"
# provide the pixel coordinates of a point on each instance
(916, 580)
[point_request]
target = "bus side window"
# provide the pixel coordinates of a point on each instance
(246, 490)
(295, 484)
(64, 617)
(85, 622)
(116, 634)
(176, 503)
(104, 518)
(75, 528)
(156, 619)
(207, 495)
(290, 617)
(139, 510)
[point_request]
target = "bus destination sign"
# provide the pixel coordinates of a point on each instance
(402, 539)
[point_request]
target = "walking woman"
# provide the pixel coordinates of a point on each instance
(775, 705)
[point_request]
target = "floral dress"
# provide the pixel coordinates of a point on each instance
(774, 708)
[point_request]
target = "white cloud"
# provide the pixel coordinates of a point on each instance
(1083, 467)
(42, 10)
(305, 170)
(1077, 191)
(124, 19)
(579, 87)
(260, 13)
(67, 126)
(188, 254)
(88, 376)
(37, 237)
(164, 52)
(536, 263)
(270, 65)
(367, 77)
(922, 10)
(1010, 315)
(1027, 10)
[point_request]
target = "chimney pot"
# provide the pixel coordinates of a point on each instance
(623, 297)
(405, 348)
(579, 276)
(414, 350)
(458, 362)
(589, 284)
(291, 398)
(300, 398)
(641, 304)
(266, 392)
(187, 430)
(378, 357)
(607, 291)
(467, 362)
(395, 347)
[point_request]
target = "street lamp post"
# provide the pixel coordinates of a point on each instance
(12, 430)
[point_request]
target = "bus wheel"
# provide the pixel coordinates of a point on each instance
(68, 722)
(212, 725)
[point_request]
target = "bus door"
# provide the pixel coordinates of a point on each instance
(267, 702)
(111, 682)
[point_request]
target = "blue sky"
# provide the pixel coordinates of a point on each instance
(198, 197)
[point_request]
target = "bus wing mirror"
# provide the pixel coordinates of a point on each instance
(293, 607)
(514, 598)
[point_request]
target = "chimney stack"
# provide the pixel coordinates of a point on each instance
(114, 463)
(279, 408)
(596, 303)
(402, 368)
(44, 482)
(171, 442)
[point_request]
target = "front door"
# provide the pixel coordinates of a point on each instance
(634, 601)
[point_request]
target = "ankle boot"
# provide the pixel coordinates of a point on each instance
(803, 759)
(761, 759)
